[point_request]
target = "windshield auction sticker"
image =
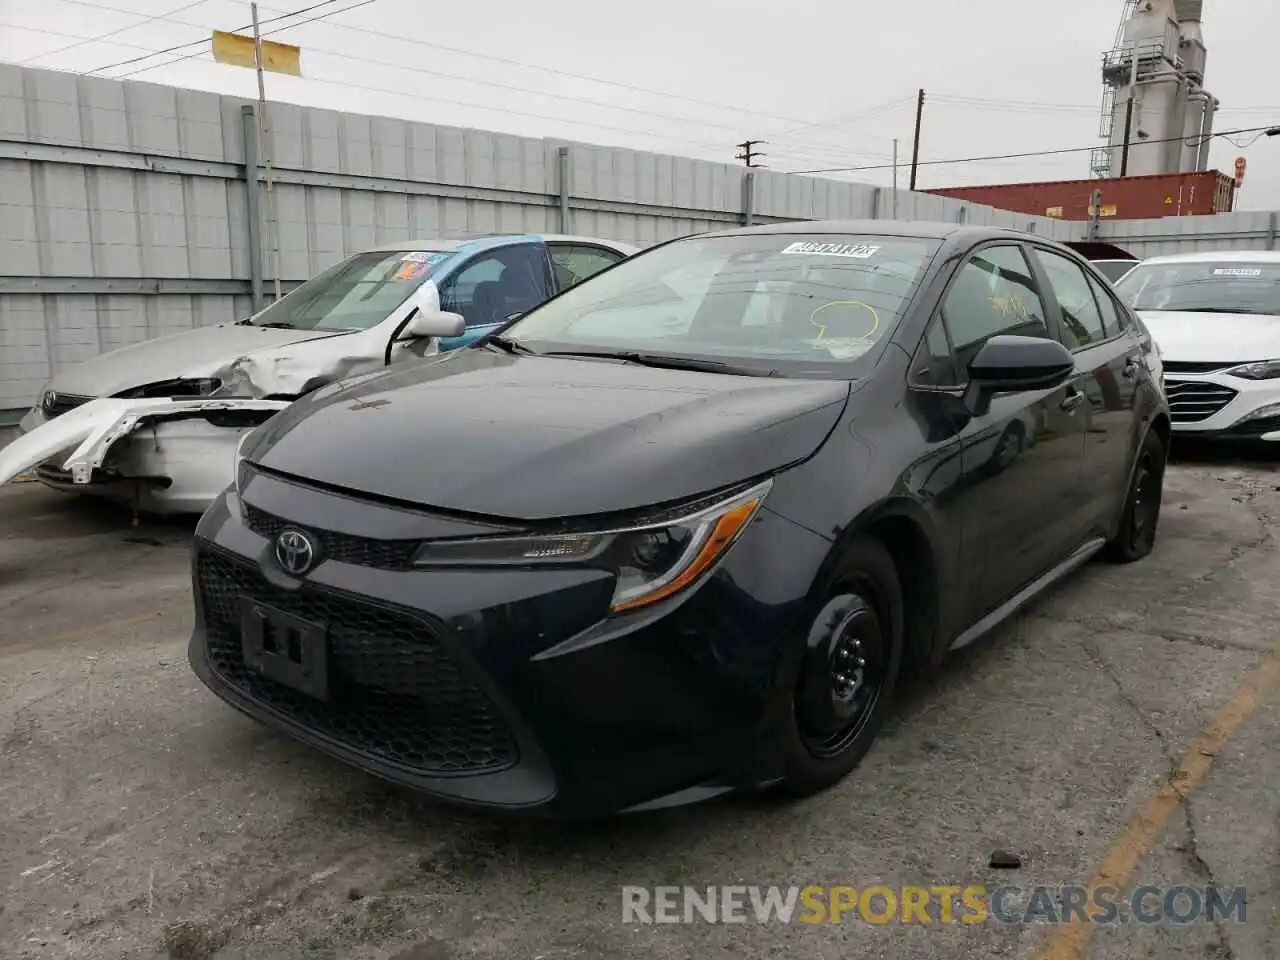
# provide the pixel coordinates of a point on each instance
(856, 251)
(1237, 272)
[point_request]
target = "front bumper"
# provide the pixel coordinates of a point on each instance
(508, 689)
(1222, 407)
(161, 455)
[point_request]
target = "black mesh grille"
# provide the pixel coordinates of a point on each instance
(395, 693)
(362, 551)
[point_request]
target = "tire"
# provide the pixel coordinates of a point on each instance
(1009, 447)
(1137, 532)
(862, 619)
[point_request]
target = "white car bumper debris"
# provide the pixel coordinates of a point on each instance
(167, 455)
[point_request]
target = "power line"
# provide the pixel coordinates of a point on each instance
(803, 126)
(1034, 153)
(871, 111)
(436, 73)
(981, 103)
(454, 102)
(180, 46)
(264, 33)
(560, 73)
(112, 33)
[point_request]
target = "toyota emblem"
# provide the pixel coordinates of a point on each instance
(295, 552)
(49, 401)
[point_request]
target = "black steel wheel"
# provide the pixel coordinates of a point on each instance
(848, 670)
(1136, 535)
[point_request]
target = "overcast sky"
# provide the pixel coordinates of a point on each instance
(828, 84)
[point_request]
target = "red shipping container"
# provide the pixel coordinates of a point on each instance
(1123, 198)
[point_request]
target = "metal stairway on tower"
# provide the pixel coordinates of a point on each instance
(1100, 157)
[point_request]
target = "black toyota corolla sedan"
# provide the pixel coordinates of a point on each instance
(681, 529)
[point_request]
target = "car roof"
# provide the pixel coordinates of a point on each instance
(1218, 256)
(924, 229)
(441, 245)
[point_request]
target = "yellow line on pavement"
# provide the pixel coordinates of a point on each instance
(1070, 941)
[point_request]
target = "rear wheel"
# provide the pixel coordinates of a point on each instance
(1137, 533)
(850, 668)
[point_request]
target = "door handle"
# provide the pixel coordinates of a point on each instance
(1131, 367)
(1072, 400)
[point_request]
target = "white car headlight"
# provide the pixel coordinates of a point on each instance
(651, 561)
(238, 462)
(1258, 370)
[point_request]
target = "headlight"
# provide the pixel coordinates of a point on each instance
(651, 561)
(197, 387)
(1259, 370)
(238, 468)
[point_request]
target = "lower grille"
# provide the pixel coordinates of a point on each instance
(1191, 401)
(396, 694)
(342, 547)
(62, 403)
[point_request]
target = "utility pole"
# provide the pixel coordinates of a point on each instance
(265, 149)
(750, 153)
(893, 203)
(915, 149)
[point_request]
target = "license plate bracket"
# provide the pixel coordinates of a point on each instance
(285, 648)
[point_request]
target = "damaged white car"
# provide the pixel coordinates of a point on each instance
(155, 425)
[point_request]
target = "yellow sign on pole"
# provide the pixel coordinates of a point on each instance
(236, 50)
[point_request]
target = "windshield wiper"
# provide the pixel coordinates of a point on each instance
(664, 362)
(277, 324)
(510, 346)
(1217, 310)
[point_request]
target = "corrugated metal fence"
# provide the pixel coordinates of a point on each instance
(1246, 230)
(124, 206)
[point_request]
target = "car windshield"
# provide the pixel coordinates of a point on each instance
(356, 294)
(1205, 286)
(793, 303)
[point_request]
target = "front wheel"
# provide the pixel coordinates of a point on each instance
(851, 663)
(1137, 533)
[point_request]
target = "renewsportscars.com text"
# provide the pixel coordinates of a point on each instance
(933, 904)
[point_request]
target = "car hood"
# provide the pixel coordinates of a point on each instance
(1213, 337)
(191, 353)
(536, 438)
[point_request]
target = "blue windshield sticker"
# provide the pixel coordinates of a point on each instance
(1237, 272)
(857, 251)
(424, 256)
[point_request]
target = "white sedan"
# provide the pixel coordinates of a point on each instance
(1216, 319)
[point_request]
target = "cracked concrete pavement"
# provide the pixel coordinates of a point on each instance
(140, 817)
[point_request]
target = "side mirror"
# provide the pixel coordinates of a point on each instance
(434, 323)
(1009, 364)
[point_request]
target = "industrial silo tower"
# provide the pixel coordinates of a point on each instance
(1157, 116)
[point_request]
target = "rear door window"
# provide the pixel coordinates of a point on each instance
(1081, 318)
(573, 263)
